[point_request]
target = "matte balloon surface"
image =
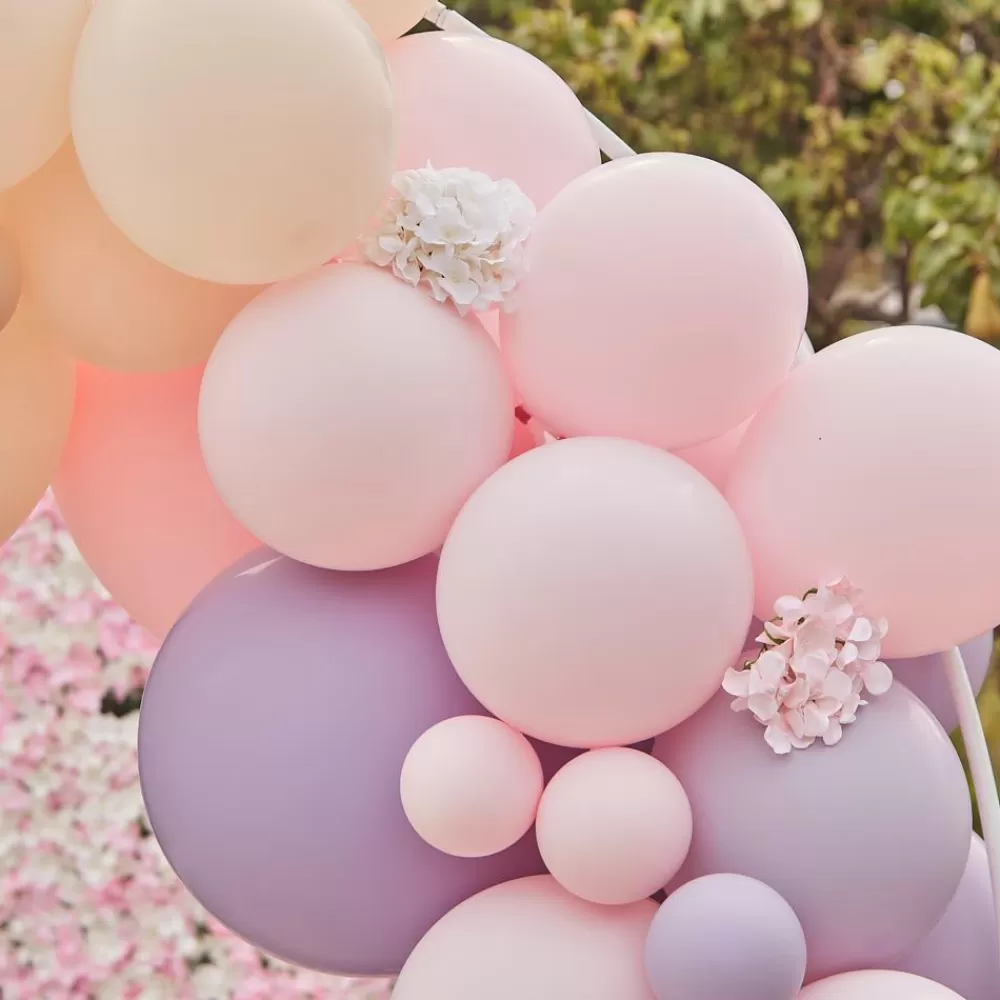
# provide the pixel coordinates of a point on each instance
(10, 278)
(388, 19)
(273, 730)
(877, 985)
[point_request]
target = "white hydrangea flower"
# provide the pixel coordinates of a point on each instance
(455, 232)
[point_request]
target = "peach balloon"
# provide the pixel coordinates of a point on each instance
(346, 417)
(10, 278)
(614, 826)
(38, 39)
(879, 459)
(239, 141)
(877, 985)
(108, 303)
(36, 402)
(470, 786)
(135, 494)
(664, 300)
(389, 19)
(593, 592)
(532, 940)
(488, 105)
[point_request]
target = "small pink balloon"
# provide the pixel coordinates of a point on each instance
(593, 591)
(614, 826)
(462, 102)
(664, 300)
(877, 985)
(532, 940)
(470, 786)
(880, 460)
(345, 417)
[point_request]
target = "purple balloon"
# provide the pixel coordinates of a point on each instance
(271, 737)
(961, 952)
(925, 677)
(726, 937)
(867, 840)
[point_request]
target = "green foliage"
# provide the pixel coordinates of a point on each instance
(875, 125)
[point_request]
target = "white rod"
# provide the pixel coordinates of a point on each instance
(611, 144)
(978, 753)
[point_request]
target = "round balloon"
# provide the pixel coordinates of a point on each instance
(593, 591)
(461, 100)
(725, 936)
(240, 141)
(36, 404)
(37, 45)
(388, 19)
(10, 278)
(135, 494)
(346, 417)
(107, 302)
(827, 488)
(664, 299)
(273, 731)
(868, 873)
(532, 940)
(877, 985)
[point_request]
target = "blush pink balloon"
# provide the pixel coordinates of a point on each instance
(593, 591)
(135, 494)
(664, 300)
(345, 417)
(880, 460)
(614, 826)
(470, 786)
(532, 940)
(877, 985)
(464, 102)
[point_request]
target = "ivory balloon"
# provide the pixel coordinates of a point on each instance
(874, 984)
(38, 39)
(36, 404)
(10, 278)
(389, 19)
(240, 141)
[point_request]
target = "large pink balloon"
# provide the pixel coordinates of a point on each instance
(664, 299)
(346, 417)
(877, 985)
(532, 940)
(488, 105)
(880, 459)
(136, 496)
(592, 592)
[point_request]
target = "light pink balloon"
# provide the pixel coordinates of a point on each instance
(593, 591)
(614, 826)
(532, 940)
(488, 105)
(345, 417)
(877, 985)
(470, 786)
(880, 459)
(664, 300)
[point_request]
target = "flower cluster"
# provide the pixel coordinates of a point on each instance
(89, 908)
(818, 658)
(456, 232)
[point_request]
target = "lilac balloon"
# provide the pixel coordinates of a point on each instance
(925, 677)
(867, 840)
(271, 737)
(726, 936)
(961, 952)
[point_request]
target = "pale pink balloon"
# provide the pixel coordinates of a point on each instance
(877, 985)
(593, 591)
(880, 459)
(614, 826)
(488, 105)
(135, 494)
(664, 300)
(345, 417)
(470, 786)
(532, 940)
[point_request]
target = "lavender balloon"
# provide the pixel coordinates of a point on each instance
(867, 840)
(726, 936)
(272, 733)
(961, 952)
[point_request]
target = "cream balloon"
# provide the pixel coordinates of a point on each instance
(875, 984)
(239, 141)
(38, 39)
(10, 278)
(389, 19)
(107, 302)
(36, 405)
